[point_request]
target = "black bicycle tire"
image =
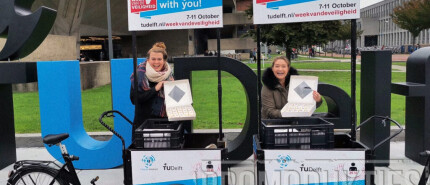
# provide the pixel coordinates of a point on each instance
(49, 171)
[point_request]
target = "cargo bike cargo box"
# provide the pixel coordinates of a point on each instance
(297, 133)
(159, 133)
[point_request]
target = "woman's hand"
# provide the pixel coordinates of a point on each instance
(317, 96)
(159, 86)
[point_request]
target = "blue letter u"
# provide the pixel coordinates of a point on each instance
(61, 112)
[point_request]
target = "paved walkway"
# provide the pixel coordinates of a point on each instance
(398, 68)
(395, 57)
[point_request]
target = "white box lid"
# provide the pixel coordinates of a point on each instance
(301, 88)
(177, 93)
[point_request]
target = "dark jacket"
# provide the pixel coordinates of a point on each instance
(150, 103)
(145, 99)
(273, 95)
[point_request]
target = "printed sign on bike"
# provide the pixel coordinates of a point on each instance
(287, 11)
(317, 167)
(191, 167)
(174, 14)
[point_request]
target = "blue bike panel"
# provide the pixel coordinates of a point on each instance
(61, 112)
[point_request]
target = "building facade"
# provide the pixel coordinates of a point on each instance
(380, 30)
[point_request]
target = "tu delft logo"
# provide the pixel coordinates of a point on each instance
(148, 161)
(283, 160)
(138, 6)
(171, 168)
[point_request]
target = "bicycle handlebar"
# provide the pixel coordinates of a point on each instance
(383, 119)
(425, 153)
(110, 114)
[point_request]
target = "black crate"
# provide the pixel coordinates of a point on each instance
(297, 133)
(159, 133)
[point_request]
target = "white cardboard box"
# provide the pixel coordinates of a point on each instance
(178, 100)
(300, 97)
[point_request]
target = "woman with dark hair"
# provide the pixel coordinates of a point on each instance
(274, 94)
(151, 76)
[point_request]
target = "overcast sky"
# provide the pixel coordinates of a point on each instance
(364, 3)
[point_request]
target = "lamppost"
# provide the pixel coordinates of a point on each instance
(109, 23)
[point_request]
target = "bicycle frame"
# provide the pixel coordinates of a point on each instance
(370, 167)
(426, 172)
(125, 160)
(66, 172)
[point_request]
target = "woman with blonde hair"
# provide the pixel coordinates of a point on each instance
(151, 76)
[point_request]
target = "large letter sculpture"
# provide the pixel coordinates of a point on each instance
(338, 105)
(11, 73)
(417, 92)
(61, 112)
(240, 148)
(338, 102)
(376, 100)
(24, 30)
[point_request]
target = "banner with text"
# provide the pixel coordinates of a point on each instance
(315, 167)
(287, 11)
(174, 14)
(190, 167)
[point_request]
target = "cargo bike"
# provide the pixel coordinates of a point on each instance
(301, 142)
(312, 154)
(162, 154)
(307, 151)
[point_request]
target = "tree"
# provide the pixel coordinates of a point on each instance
(319, 32)
(295, 34)
(344, 33)
(407, 16)
(424, 13)
(278, 34)
(275, 34)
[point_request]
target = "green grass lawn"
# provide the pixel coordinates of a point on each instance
(300, 58)
(94, 103)
(26, 112)
(316, 65)
(329, 56)
(98, 100)
(304, 58)
(324, 65)
(399, 63)
(313, 65)
(342, 80)
(205, 98)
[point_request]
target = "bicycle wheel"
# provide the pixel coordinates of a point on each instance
(37, 176)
